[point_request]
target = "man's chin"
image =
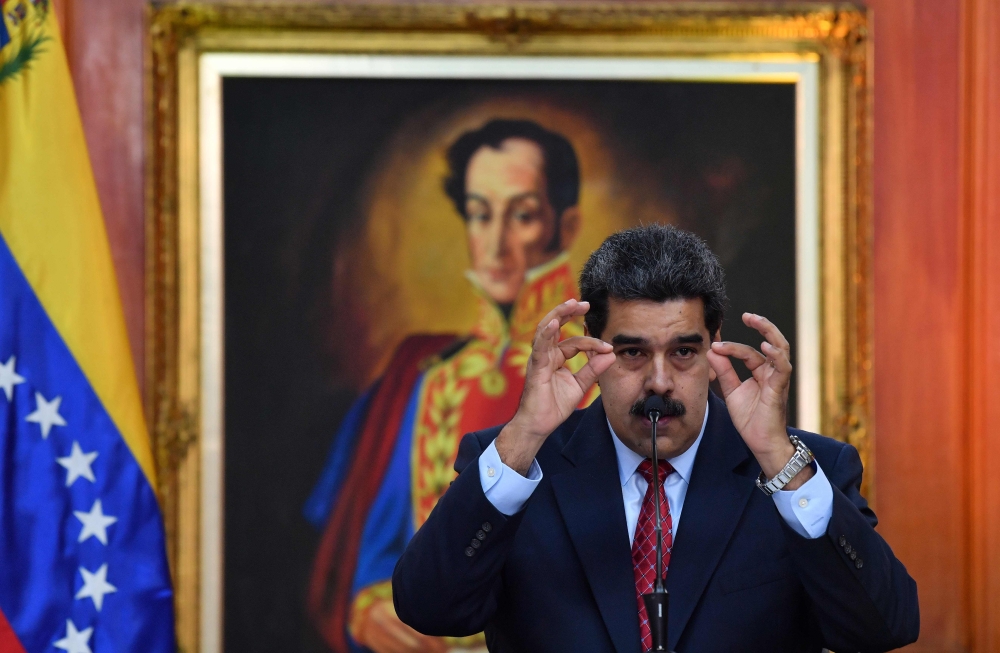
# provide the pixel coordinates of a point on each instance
(666, 444)
(500, 291)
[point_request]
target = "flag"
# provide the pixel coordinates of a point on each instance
(82, 559)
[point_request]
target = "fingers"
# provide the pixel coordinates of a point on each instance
(544, 359)
(564, 312)
(780, 380)
(547, 333)
(750, 356)
(777, 358)
(771, 367)
(587, 375)
(728, 379)
(385, 633)
(770, 332)
(572, 346)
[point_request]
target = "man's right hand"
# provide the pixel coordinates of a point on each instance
(551, 391)
(383, 632)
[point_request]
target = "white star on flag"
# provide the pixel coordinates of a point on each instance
(77, 464)
(46, 414)
(75, 641)
(95, 523)
(9, 378)
(95, 586)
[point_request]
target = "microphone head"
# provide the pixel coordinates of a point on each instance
(654, 404)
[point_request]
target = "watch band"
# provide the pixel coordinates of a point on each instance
(800, 459)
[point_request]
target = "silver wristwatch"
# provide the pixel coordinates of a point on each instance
(800, 459)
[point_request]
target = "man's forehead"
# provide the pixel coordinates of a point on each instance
(653, 320)
(517, 162)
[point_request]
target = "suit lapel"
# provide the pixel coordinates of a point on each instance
(716, 498)
(590, 500)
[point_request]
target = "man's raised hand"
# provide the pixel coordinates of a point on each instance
(759, 405)
(551, 391)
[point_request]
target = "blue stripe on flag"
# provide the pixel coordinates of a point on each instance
(42, 557)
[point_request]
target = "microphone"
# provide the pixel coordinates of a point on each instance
(658, 600)
(653, 408)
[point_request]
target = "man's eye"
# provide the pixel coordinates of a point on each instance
(478, 216)
(524, 216)
(684, 352)
(631, 352)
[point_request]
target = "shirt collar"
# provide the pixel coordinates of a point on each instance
(628, 460)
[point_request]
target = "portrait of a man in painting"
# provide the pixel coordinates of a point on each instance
(516, 186)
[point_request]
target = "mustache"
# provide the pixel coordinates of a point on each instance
(674, 408)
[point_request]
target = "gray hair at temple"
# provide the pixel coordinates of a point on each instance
(656, 262)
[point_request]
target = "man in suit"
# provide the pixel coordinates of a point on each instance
(545, 537)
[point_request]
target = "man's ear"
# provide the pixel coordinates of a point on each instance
(711, 370)
(569, 227)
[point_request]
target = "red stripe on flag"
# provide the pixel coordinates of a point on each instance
(8, 640)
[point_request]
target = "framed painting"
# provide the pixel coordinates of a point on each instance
(331, 305)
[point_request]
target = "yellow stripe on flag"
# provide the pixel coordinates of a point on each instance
(50, 218)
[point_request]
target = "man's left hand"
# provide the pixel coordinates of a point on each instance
(759, 405)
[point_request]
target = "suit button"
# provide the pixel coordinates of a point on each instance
(481, 535)
(469, 551)
(487, 526)
(476, 544)
(854, 555)
(848, 549)
(859, 563)
(842, 540)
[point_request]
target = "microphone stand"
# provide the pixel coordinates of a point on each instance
(658, 601)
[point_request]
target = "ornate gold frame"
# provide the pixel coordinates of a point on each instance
(837, 35)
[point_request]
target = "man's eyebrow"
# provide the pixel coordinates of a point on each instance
(689, 339)
(526, 195)
(621, 339)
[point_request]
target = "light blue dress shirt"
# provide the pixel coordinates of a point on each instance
(806, 510)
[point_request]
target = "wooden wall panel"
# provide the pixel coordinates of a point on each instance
(919, 320)
(104, 44)
(937, 276)
(981, 216)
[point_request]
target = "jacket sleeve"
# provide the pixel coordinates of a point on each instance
(862, 596)
(449, 578)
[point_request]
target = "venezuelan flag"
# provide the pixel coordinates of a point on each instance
(82, 560)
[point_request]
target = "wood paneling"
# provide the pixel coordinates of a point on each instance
(104, 44)
(981, 218)
(937, 276)
(919, 300)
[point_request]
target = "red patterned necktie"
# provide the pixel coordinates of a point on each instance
(644, 543)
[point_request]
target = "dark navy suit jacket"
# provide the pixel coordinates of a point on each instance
(558, 575)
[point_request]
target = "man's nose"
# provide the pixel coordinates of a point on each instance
(501, 233)
(506, 238)
(660, 378)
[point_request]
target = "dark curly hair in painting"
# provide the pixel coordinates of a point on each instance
(656, 262)
(562, 171)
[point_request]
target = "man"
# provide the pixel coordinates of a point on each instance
(516, 186)
(545, 538)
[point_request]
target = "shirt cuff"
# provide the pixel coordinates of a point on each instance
(808, 509)
(507, 490)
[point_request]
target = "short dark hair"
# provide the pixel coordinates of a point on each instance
(562, 170)
(656, 262)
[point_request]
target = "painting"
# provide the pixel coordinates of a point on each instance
(358, 248)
